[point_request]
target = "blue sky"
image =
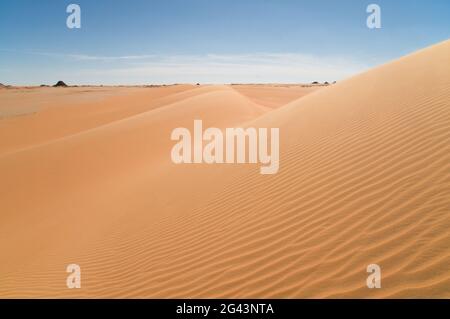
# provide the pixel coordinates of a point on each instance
(209, 41)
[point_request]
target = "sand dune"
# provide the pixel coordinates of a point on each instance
(364, 178)
(274, 96)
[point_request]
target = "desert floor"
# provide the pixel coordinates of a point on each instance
(86, 177)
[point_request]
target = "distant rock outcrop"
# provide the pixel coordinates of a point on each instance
(60, 84)
(315, 82)
(2, 86)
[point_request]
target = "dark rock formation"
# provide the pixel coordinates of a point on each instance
(60, 84)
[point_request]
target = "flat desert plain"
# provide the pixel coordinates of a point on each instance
(86, 178)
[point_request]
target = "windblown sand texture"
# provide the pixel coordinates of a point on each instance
(86, 177)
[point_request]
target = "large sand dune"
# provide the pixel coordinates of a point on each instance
(87, 178)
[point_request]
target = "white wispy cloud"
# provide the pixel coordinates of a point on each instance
(206, 68)
(233, 68)
(83, 57)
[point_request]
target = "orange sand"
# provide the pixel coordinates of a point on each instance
(86, 178)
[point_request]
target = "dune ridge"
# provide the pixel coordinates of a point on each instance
(364, 178)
